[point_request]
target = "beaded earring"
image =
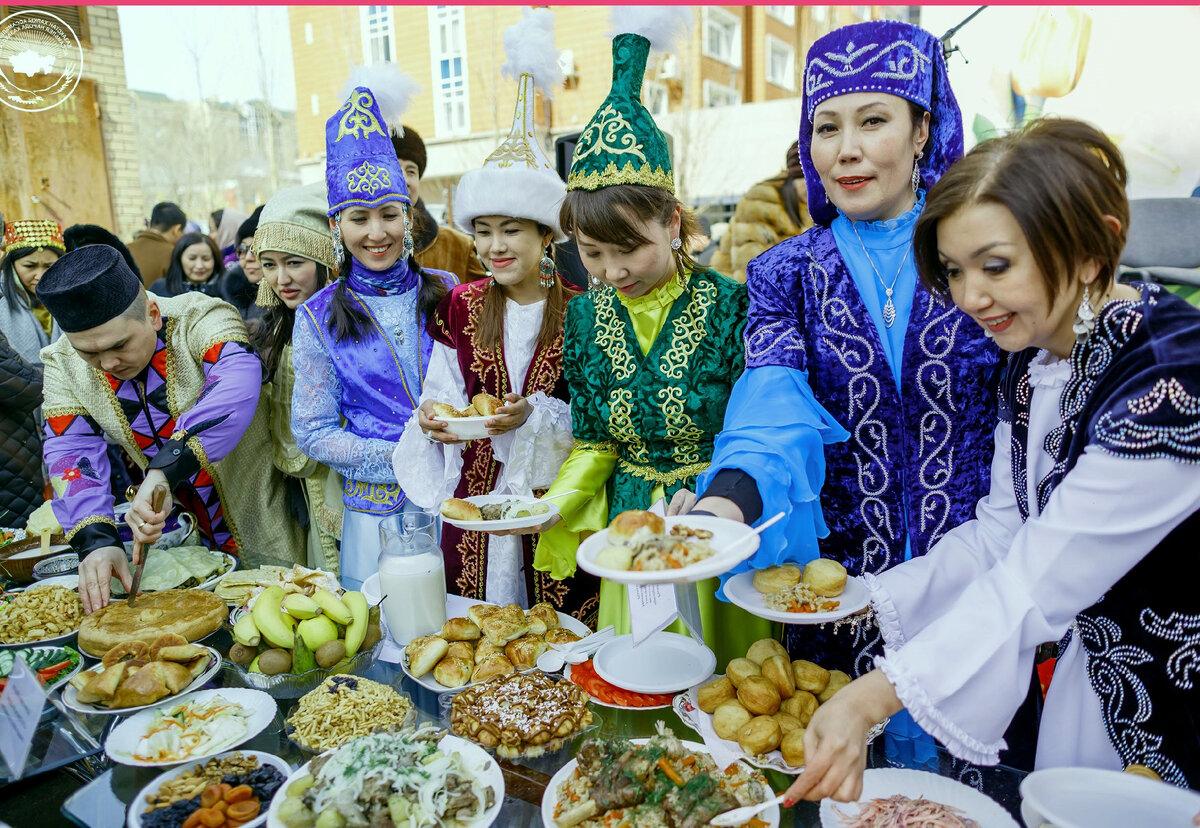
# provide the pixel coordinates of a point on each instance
(339, 252)
(916, 176)
(407, 250)
(1085, 317)
(546, 272)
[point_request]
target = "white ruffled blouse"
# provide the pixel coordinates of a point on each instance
(530, 456)
(961, 625)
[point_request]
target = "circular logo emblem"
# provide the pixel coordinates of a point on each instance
(41, 60)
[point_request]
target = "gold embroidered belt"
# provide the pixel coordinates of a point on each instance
(670, 478)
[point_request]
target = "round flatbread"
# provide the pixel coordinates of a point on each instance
(191, 613)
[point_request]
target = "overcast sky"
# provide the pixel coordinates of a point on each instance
(234, 53)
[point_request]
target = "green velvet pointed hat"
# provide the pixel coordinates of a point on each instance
(621, 143)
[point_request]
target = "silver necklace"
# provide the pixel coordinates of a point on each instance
(889, 310)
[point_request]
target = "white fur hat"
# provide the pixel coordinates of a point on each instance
(517, 179)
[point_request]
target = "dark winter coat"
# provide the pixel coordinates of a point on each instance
(20, 437)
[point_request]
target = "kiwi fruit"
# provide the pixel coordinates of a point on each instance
(276, 661)
(330, 653)
(241, 654)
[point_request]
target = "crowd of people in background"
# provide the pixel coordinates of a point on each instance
(922, 360)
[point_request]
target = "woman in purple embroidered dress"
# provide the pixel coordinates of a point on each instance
(360, 346)
(867, 405)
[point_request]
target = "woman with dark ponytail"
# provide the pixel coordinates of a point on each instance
(360, 346)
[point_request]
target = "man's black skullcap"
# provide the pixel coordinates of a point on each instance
(87, 287)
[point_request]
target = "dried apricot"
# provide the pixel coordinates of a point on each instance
(239, 793)
(245, 810)
(211, 796)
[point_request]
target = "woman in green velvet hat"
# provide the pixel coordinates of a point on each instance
(651, 352)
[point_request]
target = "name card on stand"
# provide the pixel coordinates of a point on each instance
(20, 706)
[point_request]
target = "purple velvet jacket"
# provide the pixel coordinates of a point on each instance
(917, 460)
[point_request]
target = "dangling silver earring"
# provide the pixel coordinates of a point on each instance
(407, 250)
(676, 243)
(916, 176)
(1085, 317)
(339, 252)
(595, 282)
(546, 272)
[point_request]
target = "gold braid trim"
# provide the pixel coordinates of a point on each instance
(629, 174)
(286, 237)
(197, 448)
(665, 478)
(70, 411)
(130, 442)
(688, 330)
(610, 335)
(88, 521)
(588, 445)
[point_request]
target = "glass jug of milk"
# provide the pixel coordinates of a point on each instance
(412, 578)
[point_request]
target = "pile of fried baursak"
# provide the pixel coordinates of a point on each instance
(482, 405)
(133, 673)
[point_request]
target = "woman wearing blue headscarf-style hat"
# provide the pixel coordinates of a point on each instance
(360, 345)
(866, 411)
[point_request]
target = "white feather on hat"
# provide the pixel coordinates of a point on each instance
(663, 26)
(393, 90)
(517, 179)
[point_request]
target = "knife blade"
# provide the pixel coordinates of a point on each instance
(157, 498)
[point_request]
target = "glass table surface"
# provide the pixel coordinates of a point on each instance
(105, 801)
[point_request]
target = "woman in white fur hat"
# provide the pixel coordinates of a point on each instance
(502, 336)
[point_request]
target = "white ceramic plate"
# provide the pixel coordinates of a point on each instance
(456, 607)
(65, 638)
(663, 663)
(726, 534)
(475, 759)
(511, 523)
(468, 428)
(1094, 798)
(550, 798)
(596, 701)
(880, 783)
(70, 695)
(740, 590)
(123, 740)
(138, 807)
(685, 708)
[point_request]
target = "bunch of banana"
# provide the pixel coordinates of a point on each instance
(295, 633)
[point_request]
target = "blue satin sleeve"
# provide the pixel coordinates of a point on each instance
(776, 432)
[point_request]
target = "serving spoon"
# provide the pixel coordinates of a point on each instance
(738, 816)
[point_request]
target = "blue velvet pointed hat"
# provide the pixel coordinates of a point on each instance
(361, 169)
(881, 56)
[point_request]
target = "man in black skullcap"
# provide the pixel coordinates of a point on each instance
(173, 382)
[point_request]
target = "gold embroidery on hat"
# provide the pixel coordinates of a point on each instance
(368, 178)
(359, 121)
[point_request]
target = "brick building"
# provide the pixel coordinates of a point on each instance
(736, 56)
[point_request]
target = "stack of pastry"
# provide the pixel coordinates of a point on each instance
(490, 641)
(482, 405)
(524, 714)
(765, 701)
(133, 673)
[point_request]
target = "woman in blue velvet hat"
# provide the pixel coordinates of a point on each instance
(866, 411)
(360, 345)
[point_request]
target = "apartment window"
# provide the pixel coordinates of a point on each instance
(448, 50)
(316, 105)
(722, 36)
(716, 94)
(784, 14)
(308, 37)
(656, 98)
(781, 63)
(378, 34)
